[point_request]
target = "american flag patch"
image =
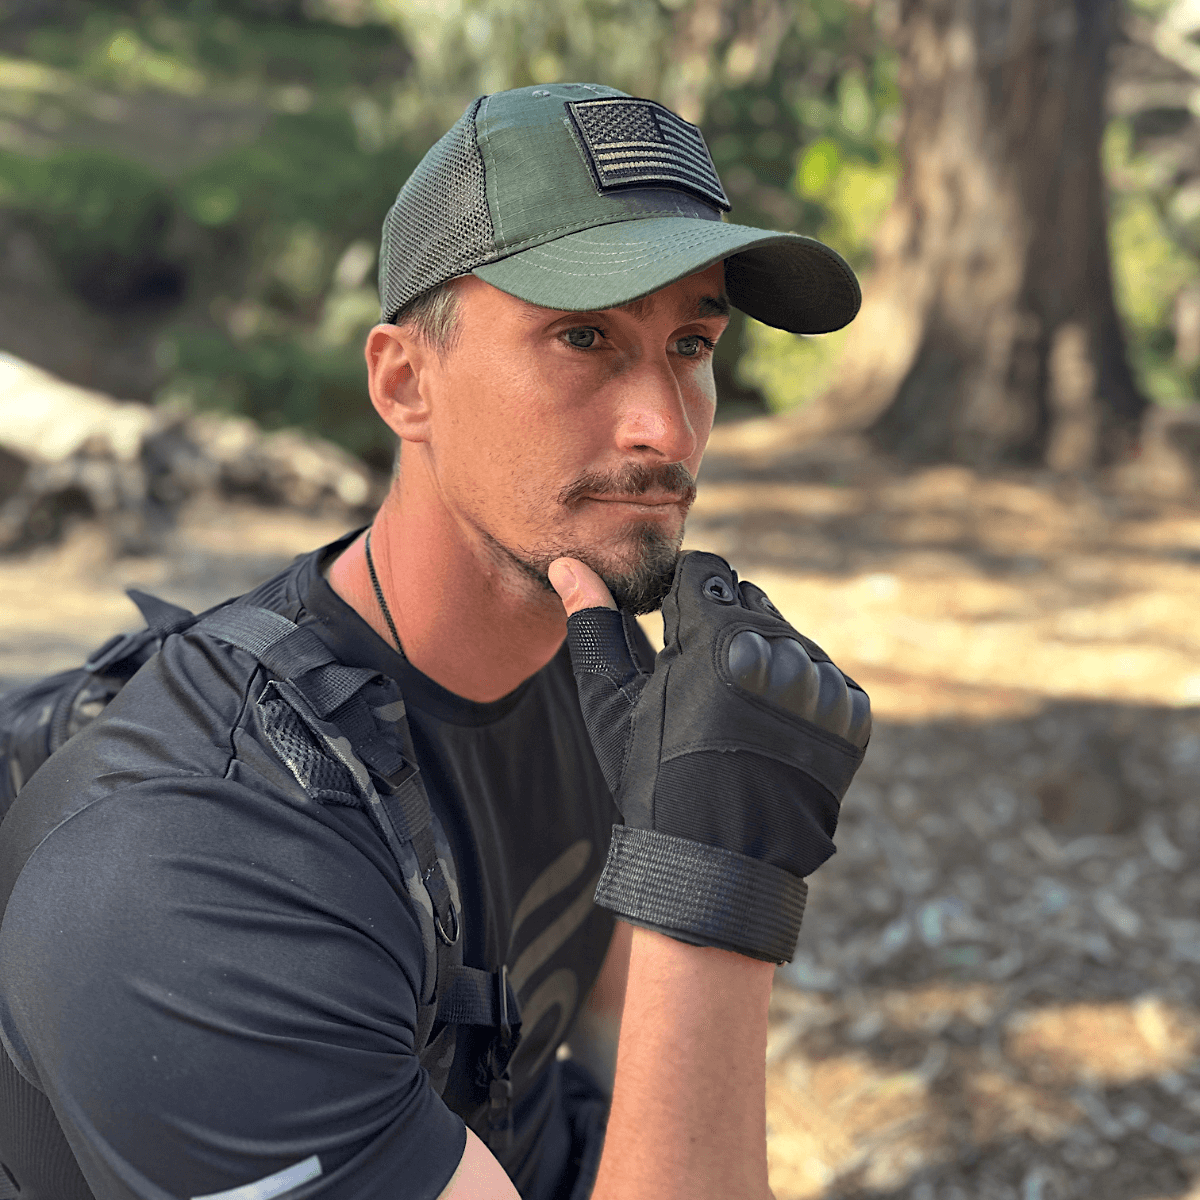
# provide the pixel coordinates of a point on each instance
(639, 143)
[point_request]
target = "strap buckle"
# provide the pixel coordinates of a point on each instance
(118, 647)
(500, 1131)
(506, 1033)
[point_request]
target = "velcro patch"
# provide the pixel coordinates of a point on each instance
(639, 143)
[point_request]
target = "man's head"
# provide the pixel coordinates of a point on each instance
(553, 278)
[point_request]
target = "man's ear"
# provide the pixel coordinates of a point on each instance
(397, 362)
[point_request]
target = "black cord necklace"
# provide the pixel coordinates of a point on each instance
(383, 605)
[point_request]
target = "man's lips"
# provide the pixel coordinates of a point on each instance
(651, 500)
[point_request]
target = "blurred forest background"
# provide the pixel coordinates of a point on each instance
(191, 193)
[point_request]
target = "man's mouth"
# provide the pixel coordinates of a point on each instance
(649, 500)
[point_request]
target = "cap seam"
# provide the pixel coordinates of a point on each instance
(487, 137)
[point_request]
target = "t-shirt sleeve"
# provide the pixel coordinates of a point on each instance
(217, 988)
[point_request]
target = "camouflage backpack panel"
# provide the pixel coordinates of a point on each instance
(38, 718)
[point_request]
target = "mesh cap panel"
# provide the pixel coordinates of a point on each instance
(439, 226)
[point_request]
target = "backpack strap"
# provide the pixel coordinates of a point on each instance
(328, 699)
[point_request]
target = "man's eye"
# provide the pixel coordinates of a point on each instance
(694, 345)
(583, 339)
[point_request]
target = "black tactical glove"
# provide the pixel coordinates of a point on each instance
(728, 763)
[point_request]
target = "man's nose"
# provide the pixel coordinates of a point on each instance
(655, 415)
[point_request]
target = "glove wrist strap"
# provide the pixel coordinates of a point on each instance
(707, 895)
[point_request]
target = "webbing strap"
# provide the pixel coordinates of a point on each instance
(330, 701)
(327, 690)
(285, 649)
(472, 997)
(255, 630)
(294, 653)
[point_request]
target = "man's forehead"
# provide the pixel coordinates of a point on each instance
(711, 304)
(695, 296)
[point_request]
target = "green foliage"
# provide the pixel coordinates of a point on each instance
(1155, 251)
(103, 220)
(252, 248)
(279, 381)
(810, 148)
(231, 194)
(788, 370)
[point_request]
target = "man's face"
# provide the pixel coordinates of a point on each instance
(577, 434)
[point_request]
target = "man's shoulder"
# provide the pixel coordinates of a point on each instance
(177, 780)
(189, 711)
(184, 736)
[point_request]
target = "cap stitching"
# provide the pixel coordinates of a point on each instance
(594, 267)
(543, 236)
(699, 239)
(682, 243)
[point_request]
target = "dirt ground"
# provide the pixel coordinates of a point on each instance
(997, 987)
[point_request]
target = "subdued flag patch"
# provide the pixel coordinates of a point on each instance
(639, 143)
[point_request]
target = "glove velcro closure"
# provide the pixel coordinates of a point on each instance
(702, 894)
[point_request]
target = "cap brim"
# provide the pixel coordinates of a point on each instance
(782, 279)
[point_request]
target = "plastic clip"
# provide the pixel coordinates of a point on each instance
(500, 1132)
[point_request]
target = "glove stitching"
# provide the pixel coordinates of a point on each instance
(779, 757)
(728, 744)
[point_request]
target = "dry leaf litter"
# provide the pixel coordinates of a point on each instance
(997, 989)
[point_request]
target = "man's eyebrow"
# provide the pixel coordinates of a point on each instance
(714, 306)
(706, 306)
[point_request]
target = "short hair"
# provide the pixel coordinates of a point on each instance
(434, 316)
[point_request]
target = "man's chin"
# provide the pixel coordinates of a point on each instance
(643, 587)
(639, 578)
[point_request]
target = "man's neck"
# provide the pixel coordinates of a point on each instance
(463, 620)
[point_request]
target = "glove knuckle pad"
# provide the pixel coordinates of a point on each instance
(781, 671)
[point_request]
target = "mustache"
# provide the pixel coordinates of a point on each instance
(635, 479)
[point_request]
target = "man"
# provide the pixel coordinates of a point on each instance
(214, 982)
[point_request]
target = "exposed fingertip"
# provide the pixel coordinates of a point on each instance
(562, 577)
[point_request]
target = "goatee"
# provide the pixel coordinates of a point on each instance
(641, 588)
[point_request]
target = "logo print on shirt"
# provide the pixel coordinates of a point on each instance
(561, 988)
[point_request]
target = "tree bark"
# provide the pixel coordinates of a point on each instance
(989, 333)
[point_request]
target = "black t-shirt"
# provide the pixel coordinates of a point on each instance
(214, 979)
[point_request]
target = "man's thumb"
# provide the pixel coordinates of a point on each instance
(578, 586)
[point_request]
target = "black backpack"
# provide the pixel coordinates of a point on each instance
(326, 733)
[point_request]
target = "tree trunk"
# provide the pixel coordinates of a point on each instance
(989, 334)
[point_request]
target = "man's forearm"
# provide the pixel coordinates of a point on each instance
(688, 1115)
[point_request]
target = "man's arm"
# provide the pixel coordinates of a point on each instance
(689, 1109)
(688, 1118)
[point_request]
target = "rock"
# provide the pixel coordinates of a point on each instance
(68, 452)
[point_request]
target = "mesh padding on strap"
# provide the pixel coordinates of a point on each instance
(440, 225)
(718, 897)
(317, 772)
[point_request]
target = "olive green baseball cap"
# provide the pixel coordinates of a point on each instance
(577, 196)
